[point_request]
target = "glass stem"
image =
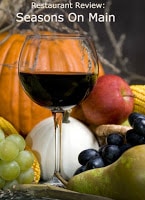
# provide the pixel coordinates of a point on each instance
(58, 117)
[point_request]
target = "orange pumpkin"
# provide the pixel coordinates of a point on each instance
(15, 105)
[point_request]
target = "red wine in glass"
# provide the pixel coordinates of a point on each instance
(57, 90)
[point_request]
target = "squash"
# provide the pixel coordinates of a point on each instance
(75, 138)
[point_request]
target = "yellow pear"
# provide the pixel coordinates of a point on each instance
(122, 180)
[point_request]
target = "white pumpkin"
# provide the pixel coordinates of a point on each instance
(75, 138)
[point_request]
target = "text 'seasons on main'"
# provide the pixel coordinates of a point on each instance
(72, 17)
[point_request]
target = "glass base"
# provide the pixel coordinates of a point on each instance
(55, 182)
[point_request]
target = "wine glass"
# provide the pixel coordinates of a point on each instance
(58, 71)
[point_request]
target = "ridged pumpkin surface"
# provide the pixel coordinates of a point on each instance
(60, 55)
(15, 105)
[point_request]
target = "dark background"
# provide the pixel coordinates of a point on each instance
(130, 22)
(130, 17)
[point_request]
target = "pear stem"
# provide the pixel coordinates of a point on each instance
(58, 175)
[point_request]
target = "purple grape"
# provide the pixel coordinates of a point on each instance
(115, 139)
(95, 162)
(110, 153)
(86, 155)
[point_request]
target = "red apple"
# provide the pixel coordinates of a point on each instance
(110, 102)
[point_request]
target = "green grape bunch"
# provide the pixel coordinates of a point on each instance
(15, 161)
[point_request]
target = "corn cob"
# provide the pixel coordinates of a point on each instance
(35, 166)
(139, 98)
(9, 129)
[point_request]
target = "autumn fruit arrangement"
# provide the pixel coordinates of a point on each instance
(103, 156)
(76, 131)
(113, 138)
(100, 155)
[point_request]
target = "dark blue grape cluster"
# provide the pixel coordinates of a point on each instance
(115, 145)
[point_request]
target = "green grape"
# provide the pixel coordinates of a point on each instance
(10, 184)
(9, 170)
(2, 183)
(25, 160)
(2, 135)
(18, 139)
(26, 177)
(8, 150)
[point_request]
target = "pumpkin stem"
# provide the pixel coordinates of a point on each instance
(66, 116)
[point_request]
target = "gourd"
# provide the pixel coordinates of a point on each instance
(75, 138)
